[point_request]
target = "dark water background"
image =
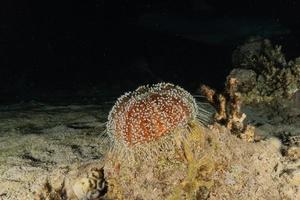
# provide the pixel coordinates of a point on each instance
(83, 51)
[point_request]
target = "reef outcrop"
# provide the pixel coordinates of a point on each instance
(263, 73)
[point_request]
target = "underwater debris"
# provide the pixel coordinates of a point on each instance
(228, 107)
(263, 73)
(160, 149)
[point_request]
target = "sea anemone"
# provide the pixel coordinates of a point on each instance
(160, 143)
(145, 120)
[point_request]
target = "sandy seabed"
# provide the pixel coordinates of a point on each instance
(39, 141)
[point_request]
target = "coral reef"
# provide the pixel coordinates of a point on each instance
(269, 87)
(203, 163)
(188, 159)
(263, 73)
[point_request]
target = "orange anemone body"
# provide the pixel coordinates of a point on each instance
(150, 113)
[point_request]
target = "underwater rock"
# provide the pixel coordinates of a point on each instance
(293, 152)
(246, 78)
(254, 52)
(275, 77)
(83, 182)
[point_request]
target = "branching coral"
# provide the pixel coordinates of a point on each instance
(228, 106)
